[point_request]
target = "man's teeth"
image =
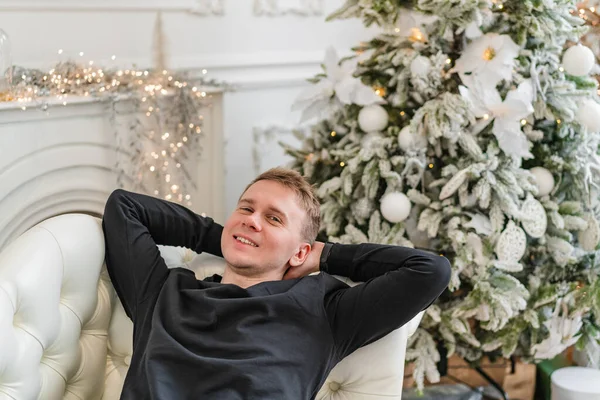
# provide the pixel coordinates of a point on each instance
(246, 241)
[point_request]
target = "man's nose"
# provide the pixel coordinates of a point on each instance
(252, 221)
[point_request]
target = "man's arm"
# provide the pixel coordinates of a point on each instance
(399, 282)
(133, 225)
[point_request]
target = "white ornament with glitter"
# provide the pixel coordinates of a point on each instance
(411, 141)
(537, 221)
(395, 207)
(578, 60)
(589, 238)
(454, 183)
(588, 115)
(544, 180)
(511, 244)
(373, 118)
(420, 66)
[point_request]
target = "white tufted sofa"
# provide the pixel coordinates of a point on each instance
(64, 333)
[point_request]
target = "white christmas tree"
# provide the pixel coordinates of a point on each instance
(474, 134)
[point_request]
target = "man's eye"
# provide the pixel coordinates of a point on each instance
(246, 209)
(276, 219)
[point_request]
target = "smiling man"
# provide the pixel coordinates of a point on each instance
(268, 328)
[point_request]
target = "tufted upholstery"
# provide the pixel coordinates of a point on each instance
(64, 334)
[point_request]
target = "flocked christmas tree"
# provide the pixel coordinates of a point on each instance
(469, 128)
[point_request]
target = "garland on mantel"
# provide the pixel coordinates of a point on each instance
(159, 137)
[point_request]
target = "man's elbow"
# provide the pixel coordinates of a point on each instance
(443, 269)
(438, 270)
(111, 207)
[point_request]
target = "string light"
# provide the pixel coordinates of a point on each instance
(333, 133)
(416, 35)
(380, 91)
(85, 79)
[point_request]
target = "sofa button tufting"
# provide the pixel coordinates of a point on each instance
(127, 360)
(334, 386)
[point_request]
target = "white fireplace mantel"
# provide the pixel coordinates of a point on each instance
(63, 160)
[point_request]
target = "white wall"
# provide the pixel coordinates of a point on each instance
(266, 57)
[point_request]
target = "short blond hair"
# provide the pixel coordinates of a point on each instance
(305, 195)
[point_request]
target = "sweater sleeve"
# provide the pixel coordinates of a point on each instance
(399, 282)
(133, 225)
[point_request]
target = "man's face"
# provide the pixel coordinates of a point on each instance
(264, 232)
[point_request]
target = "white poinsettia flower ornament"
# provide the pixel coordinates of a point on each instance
(563, 332)
(489, 58)
(506, 114)
(338, 88)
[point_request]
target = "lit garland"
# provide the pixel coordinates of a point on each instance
(154, 150)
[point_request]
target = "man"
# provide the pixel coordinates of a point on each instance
(265, 329)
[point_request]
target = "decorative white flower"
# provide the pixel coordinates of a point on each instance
(507, 114)
(563, 333)
(490, 58)
(332, 92)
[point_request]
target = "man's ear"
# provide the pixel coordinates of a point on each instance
(300, 255)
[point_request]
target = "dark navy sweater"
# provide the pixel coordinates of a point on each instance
(201, 339)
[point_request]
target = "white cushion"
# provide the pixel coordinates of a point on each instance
(64, 334)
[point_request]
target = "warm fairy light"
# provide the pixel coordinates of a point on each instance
(416, 35)
(342, 164)
(523, 122)
(333, 133)
(380, 91)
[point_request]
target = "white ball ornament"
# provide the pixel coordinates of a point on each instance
(410, 141)
(420, 66)
(578, 60)
(395, 207)
(373, 118)
(588, 115)
(544, 180)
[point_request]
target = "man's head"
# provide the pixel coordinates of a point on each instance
(275, 222)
